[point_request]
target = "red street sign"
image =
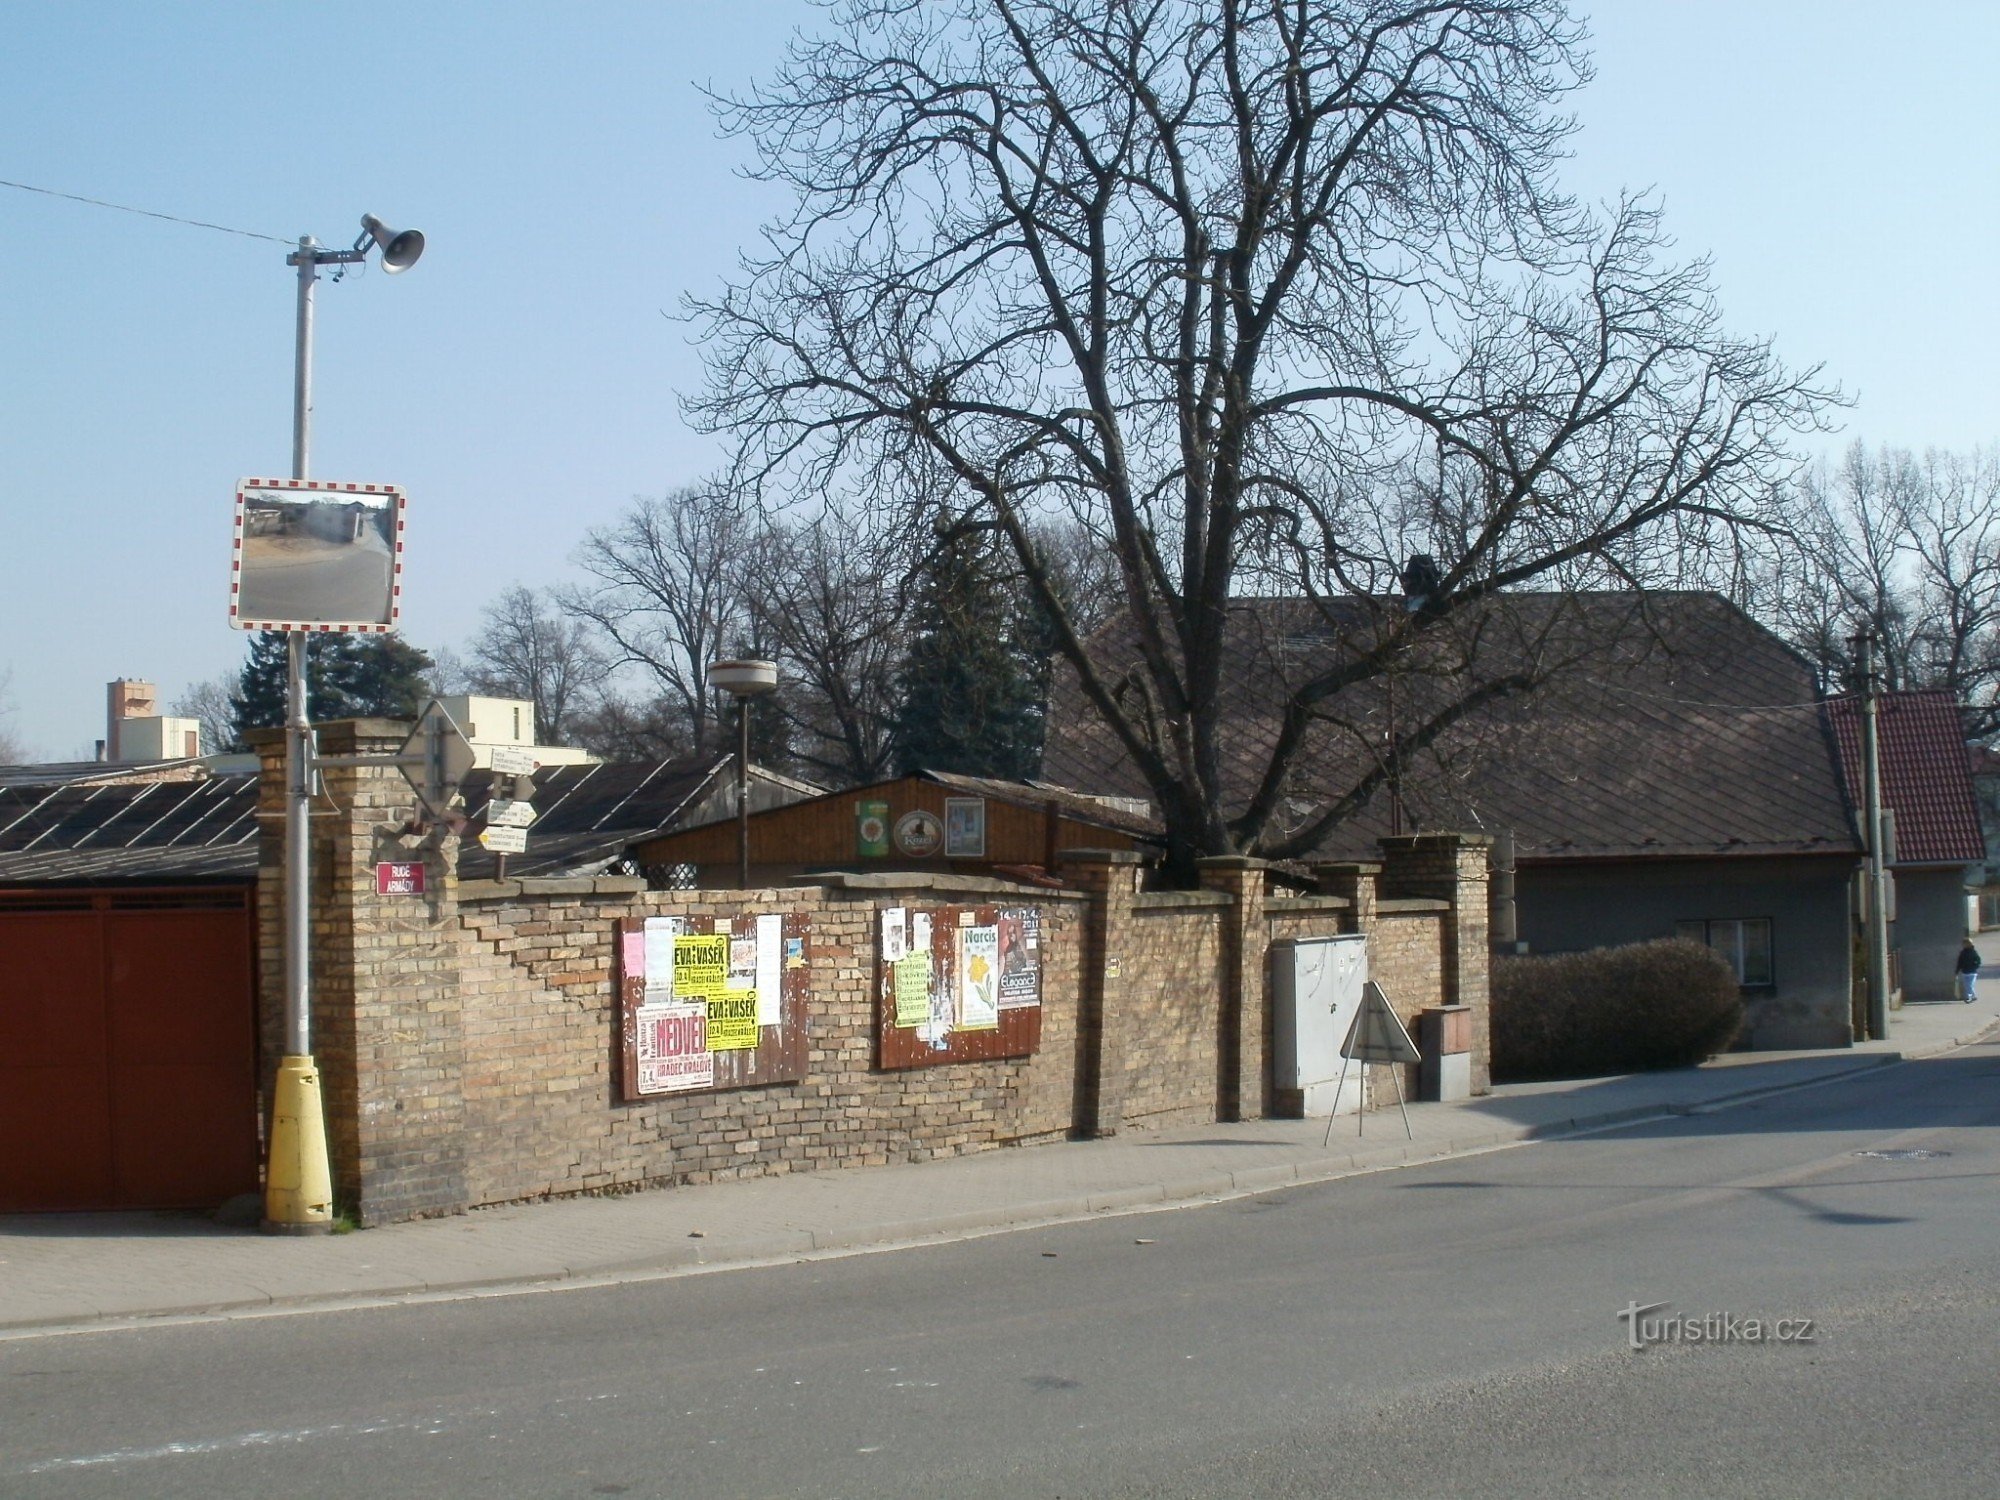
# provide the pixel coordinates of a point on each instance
(393, 879)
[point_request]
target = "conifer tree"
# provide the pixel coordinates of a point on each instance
(347, 677)
(969, 701)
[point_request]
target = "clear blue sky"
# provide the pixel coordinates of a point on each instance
(1837, 161)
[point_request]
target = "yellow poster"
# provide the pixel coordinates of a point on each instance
(732, 1021)
(701, 966)
(913, 989)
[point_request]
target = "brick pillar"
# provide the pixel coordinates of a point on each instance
(1354, 879)
(1104, 1018)
(1248, 1087)
(1454, 867)
(387, 1030)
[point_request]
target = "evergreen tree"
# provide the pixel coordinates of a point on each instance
(347, 677)
(969, 701)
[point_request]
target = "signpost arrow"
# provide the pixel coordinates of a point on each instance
(504, 840)
(510, 814)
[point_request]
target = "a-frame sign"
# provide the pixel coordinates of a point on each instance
(1377, 1036)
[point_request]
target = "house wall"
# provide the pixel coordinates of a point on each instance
(820, 833)
(1929, 930)
(1578, 905)
(468, 1037)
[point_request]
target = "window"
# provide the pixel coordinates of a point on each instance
(1743, 942)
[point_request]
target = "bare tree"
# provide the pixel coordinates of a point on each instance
(668, 597)
(1907, 549)
(212, 705)
(528, 648)
(830, 601)
(1217, 280)
(12, 750)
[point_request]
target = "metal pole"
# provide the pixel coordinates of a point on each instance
(743, 793)
(298, 1177)
(1877, 917)
(308, 263)
(298, 723)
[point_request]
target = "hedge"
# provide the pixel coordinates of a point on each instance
(1665, 1004)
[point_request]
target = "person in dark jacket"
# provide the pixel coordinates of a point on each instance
(1968, 973)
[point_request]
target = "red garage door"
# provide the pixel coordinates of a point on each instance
(127, 1051)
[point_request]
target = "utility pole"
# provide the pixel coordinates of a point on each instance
(1875, 904)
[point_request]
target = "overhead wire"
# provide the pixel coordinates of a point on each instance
(125, 208)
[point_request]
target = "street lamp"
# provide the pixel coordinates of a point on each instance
(743, 680)
(298, 1180)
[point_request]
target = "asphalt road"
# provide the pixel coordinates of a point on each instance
(1450, 1329)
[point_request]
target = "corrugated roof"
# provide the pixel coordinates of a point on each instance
(588, 815)
(156, 831)
(171, 831)
(1926, 775)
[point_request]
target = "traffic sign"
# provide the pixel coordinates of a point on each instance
(436, 757)
(504, 840)
(509, 760)
(1377, 1035)
(509, 814)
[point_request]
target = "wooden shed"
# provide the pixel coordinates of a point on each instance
(928, 821)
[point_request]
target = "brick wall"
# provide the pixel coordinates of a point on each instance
(468, 1037)
(542, 1112)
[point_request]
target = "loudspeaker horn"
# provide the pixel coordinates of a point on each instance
(400, 247)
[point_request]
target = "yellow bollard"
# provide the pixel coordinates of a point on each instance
(298, 1183)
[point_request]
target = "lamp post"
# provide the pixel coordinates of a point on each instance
(743, 680)
(298, 1180)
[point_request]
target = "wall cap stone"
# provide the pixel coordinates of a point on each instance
(1346, 867)
(550, 885)
(1400, 842)
(1101, 857)
(1405, 906)
(1231, 862)
(1169, 900)
(1279, 905)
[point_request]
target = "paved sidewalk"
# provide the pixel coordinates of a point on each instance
(62, 1272)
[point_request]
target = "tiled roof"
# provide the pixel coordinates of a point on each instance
(1926, 775)
(1671, 725)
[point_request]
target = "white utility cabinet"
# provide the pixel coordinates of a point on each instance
(1317, 982)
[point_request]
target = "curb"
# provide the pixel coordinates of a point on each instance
(799, 1244)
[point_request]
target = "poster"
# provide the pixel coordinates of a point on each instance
(913, 989)
(893, 947)
(965, 828)
(673, 1048)
(920, 932)
(732, 1021)
(871, 829)
(658, 958)
(700, 966)
(1020, 957)
(770, 988)
(979, 978)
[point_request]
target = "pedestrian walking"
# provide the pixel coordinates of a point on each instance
(1968, 973)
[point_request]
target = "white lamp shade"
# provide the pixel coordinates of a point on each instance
(744, 679)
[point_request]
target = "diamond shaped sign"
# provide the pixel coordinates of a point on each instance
(436, 758)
